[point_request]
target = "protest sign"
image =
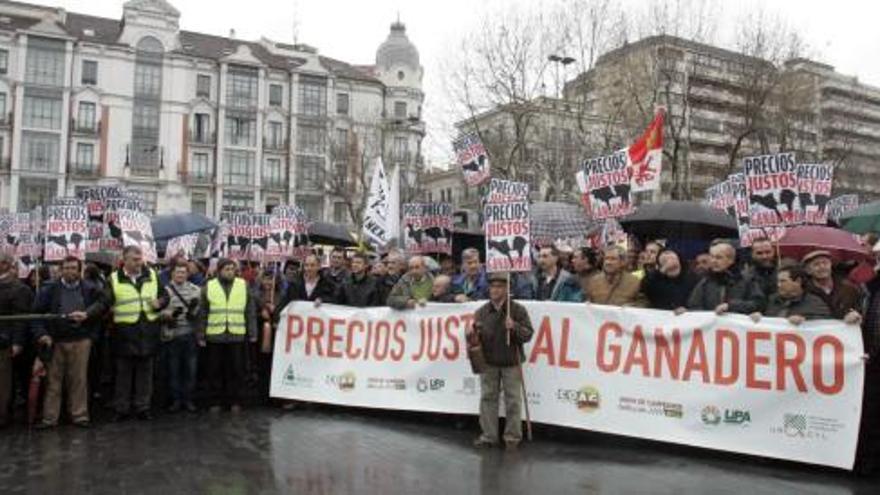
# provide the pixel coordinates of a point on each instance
(428, 228)
(184, 245)
(842, 204)
(67, 229)
(607, 182)
(772, 185)
(473, 159)
(288, 234)
(238, 235)
(136, 230)
(698, 379)
(260, 231)
(507, 226)
(814, 191)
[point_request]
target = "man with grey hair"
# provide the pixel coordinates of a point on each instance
(614, 286)
(441, 291)
(395, 267)
(414, 288)
(725, 289)
(15, 298)
(471, 284)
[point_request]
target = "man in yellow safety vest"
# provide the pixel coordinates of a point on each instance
(230, 321)
(135, 297)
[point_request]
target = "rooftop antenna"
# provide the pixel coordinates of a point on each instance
(296, 22)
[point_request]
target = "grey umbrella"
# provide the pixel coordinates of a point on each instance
(679, 220)
(551, 221)
(177, 224)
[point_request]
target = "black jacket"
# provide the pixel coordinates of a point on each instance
(325, 290)
(48, 301)
(742, 294)
(665, 292)
(15, 299)
(810, 306)
(362, 293)
(139, 339)
(489, 323)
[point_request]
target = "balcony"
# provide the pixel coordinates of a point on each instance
(78, 128)
(6, 119)
(83, 170)
(5, 164)
(202, 139)
(197, 177)
(275, 145)
(278, 183)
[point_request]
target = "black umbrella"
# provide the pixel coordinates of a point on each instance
(679, 220)
(177, 224)
(331, 234)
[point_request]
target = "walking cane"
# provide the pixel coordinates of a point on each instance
(522, 377)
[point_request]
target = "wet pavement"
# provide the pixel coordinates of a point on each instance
(329, 450)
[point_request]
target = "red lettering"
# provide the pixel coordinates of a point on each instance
(638, 353)
(452, 332)
(839, 376)
(291, 333)
(662, 352)
(352, 352)
(753, 360)
(564, 362)
(697, 358)
(544, 343)
(614, 349)
(334, 338)
(722, 336)
(400, 347)
(793, 363)
(380, 351)
(314, 332)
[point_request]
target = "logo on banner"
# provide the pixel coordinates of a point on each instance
(587, 399)
(711, 415)
(795, 425)
(430, 384)
(345, 382)
(468, 386)
(291, 379)
(386, 383)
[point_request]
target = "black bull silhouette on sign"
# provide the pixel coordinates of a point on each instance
(505, 248)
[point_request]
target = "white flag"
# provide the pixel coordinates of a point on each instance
(394, 205)
(376, 212)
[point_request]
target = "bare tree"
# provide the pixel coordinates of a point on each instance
(351, 163)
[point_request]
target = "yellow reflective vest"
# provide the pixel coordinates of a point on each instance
(129, 303)
(226, 313)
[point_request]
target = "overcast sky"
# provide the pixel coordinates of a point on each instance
(843, 33)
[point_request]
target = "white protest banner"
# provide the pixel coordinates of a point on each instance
(473, 159)
(137, 231)
(376, 228)
(507, 226)
(288, 234)
(814, 191)
(428, 228)
(101, 204)
(772, 185)
(646, 157)
(842, 204)
(67, 229)
(260, 230)
(699, 379)
(7, 242)
(607, 181)
(184, 245)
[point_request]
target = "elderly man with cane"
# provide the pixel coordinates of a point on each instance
(501, 327)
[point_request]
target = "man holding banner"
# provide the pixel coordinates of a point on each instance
(502, 327)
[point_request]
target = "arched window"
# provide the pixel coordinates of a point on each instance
(146, 110)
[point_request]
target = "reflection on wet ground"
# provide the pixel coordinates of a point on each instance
(329, 450)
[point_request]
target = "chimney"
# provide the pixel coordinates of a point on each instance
(232, 33)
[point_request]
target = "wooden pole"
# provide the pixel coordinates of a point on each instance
(522, 377)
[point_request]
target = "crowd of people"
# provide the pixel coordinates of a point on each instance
(148, 333)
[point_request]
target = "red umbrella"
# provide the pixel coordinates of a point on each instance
(35, 391)
(842, 245)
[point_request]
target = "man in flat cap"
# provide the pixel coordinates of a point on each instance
(844, 299)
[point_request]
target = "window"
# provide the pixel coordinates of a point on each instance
(241, 130)
(400, 152)
(311, 139)
(313, 96)
(241, 87)
(44, 63)
(202, 128)
(2, 107)
(4, 61)
(145, 120)
(35, 192)
(309, 173)
(39, 151)
(276, 97)
(90, 72)
(148, 80)
(203, 86)
(238, 167)
(149, 199)
(273, 176)
(342, 104)
(237, 201)
(41, 110)
(201, 166)
(85, 157)
(274, 136)
(271, 204)
(340, 213)
(342, 141)
(400, 109)
(312, 206)
(86, 116)
(199, 203)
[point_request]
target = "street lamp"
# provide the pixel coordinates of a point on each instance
(564, 62)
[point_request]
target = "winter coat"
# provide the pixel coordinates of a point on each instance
(843, 297)
(810, 306)
(48, 301)
(15, 298)
(567, 288)
(408, 288)
(139, 339)
(363, 292)
(664, 292)
(627, 291)
(477, 291)
(489, 322)
(741, 293)
(183, 325)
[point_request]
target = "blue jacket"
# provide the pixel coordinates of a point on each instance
(567, 288)
(48, 301)
(479, 291)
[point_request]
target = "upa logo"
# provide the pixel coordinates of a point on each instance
(737, 417)
(711, 415)
(430, 384)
